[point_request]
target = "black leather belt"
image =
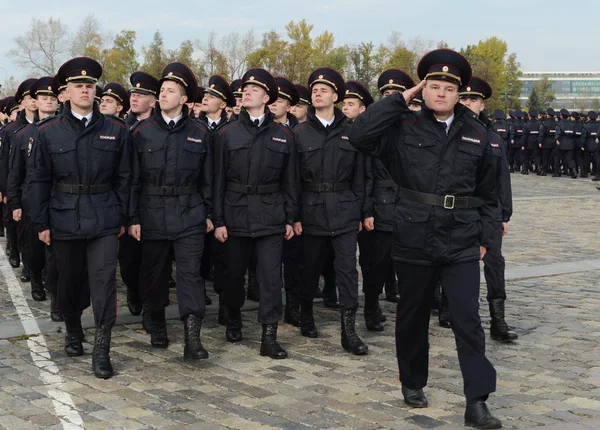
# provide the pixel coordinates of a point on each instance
(252, 189)
(325, 187)
(82, 188)
(388, 183)
(447, 202)
(170, 191)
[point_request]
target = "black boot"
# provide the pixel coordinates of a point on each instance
(146, 320)
(25, 274)
(444, 317)
(436, 299)
(371, 313)
(350, 340)
(193, 349)
(134, 303)
(253, 289)
(391, 292)
(74, 336)
(414, 398)
(55, 314)
(307, 321)
(14, 257)
(499, 330)
(233, 333)
(478, 415)
(101, 356)
(269, 347)
(222, 318)
(382, 317)
(37, 288)
(158, 334)
(292, 310)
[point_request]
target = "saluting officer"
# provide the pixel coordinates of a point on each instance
(171, 205)
(473, 97)
(34, 254)
(79, 193)
(114, 101)
(444, 221)
(333, 189)
(255, 205)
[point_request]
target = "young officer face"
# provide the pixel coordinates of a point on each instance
(29, 104)
(238, 105)
(440, 96)
(323, 96)
(110, 106)
(171, 96)
(300, 111)
(47, 104)
(211, 104)
(389, 92)
(81, 94)
(352, 108)
(254, 96)
(141, 103)
(280, 108)
(474, 103)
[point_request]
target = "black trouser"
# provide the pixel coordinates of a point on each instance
(156, 269)
(493, 268)
(375, 259)
(1, 212)
(315, 253)
(218, 259)
(526, 159)
(100, 254)
(514, 157)
(51, 284)
(130, 263)
(597, 161)
(11, 227)
(536, 155)
(577, 157)
(238, 254)
(586, 160)
(461, 285)
(328, 273)
(566, 156)
(546, 155)
(206, 262)
(293, 267)
(33, 250)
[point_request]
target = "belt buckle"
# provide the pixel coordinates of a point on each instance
(168, 191)
(328, 188)
(449, 202)
(252, 189)
(83, 189)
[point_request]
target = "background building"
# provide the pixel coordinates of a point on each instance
(578, 91)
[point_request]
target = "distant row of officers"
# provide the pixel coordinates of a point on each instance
(429, 190)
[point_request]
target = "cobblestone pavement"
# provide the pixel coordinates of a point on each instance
(550, 377)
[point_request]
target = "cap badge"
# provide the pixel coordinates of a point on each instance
(320, 76)
(391, 81)
(137, 85)
(83, 72)
(468, 88)
(110, 90)
(170, 74)
(49, 88)
(251, 78)
(445, 69)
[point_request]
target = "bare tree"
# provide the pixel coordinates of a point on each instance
(236, 49)
(89, 39)
(9, 87)
(43, 48)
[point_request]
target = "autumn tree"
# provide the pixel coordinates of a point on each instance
(88, 40)
(120, 61)
(43, 48)
(155, 56)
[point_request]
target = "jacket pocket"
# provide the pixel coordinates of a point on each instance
(313, 208)
(348, 206)
(276, 155)
(63, 212)
(235, 208)
(107, 210)
(465, 232)
(192, 156)
(411, 227)
(274, 210)
(310, 159)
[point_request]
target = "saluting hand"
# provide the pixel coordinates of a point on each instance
(289, 232)
(17, 214)
(221, 234)
(411, 93)
(209, 226)
(135, 231)
(44, 236)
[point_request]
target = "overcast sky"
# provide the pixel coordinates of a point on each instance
(549, 35)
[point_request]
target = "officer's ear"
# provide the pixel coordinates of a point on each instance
(223, 105)
(152, 102)
(119, 108)
(362, 109)
(183, 100)
(335, 97)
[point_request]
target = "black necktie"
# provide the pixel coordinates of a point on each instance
(83, 121)
(171, 124)
(213, 125)
(256, 122)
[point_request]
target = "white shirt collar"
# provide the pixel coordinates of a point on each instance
(259, 118)
(211, 122)
(28, 120)
(168, 120)
(324, 121)
(80, 117)
(448, 123)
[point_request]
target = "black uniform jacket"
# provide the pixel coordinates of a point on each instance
(589, 133)
(565, 134)
(531, 134)
(7, 137)
(332, 176)
(380, 195)
(505, 206)
(255, 177)
(171, 177)
(422, 157)
(84, 159)
(548, 133)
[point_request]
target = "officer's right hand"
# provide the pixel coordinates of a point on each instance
(540, 145)
(558, 142)
(411, 93)
(289, 232)
(135, 231)
(17, 214)
(221, 234)
(44, 236)
(369, 223)
(597, 141)
(298, 228)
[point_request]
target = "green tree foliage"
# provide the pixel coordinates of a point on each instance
(544, 93)
(155, 56)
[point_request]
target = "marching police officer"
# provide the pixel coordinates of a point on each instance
(516, 150)
(255, 205)
(34, 254)
(473, 97)
(548, 140)
(589, 134)
(79, 194)
(531, 143)
(565, 141)
(444, 221)
(332, 177)
(171, 205)
(501, 127)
